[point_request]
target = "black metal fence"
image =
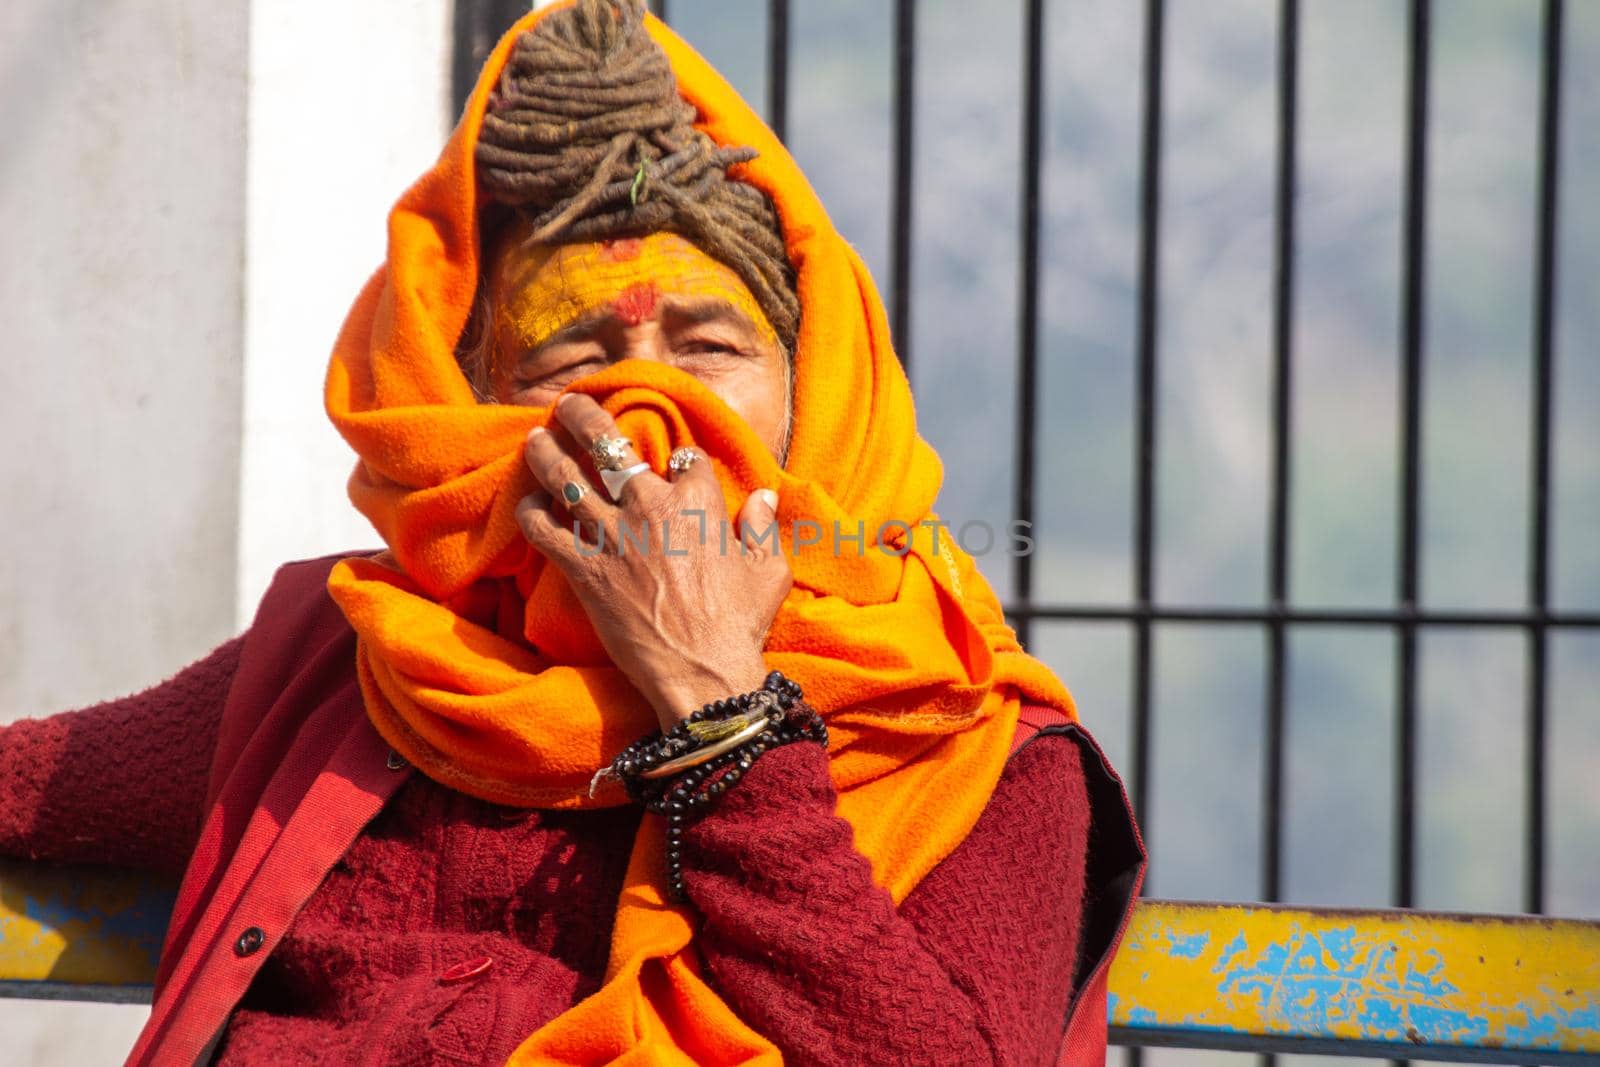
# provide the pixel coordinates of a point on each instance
(478, 22)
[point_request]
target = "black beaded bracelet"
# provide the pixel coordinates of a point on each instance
(785, 717)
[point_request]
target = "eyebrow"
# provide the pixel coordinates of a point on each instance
(697, 311)
(685, 311)
(581, 329)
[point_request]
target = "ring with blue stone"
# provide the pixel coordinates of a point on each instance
(573, 492)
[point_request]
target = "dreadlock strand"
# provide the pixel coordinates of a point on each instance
(550, 224)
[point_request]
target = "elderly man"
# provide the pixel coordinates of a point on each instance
(668, 729)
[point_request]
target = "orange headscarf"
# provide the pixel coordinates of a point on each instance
(478, 664)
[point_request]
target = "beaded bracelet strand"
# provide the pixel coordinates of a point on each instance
(705, 755)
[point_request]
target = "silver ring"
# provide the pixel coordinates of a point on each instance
(615, 480)
(610, 453)
(572, 492)
(682, 459)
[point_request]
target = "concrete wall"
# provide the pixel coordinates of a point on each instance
(121, 302)
(190, 195)
(349, 104)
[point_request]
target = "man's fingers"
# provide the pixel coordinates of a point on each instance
(691, 469)
(563, 478)
(537, 523)
(557, 541)
(587, 421)
(758, 523)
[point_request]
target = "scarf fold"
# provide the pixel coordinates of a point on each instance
(477, 663)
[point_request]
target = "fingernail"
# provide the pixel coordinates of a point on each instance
(536, 431)
(770, 497)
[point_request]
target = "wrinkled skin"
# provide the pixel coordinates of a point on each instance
(685, 629)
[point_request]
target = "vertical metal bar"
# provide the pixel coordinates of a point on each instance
(905, 62)
(1543, 389)
(1145, 384)
(1282, 430)
(1028, 309)
(1413, 254)
(778, 67)
(468, 37)
(1144, 471)
(476, 26)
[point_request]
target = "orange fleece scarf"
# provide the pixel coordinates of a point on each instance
(478, 664)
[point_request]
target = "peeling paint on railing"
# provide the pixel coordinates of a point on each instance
(1419, 985)
(1402, 981)
(80, 925)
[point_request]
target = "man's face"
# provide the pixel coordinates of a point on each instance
(559, 314)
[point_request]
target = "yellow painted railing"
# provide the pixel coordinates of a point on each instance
(80, 933)
(1417, 985)
(1404, 984)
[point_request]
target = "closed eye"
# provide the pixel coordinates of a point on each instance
(710, 346)
(547, 368)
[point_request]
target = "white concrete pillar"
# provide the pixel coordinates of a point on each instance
(191, 194)
(349, 103)
(121, 302)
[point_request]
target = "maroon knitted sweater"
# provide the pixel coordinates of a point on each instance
(454, 928)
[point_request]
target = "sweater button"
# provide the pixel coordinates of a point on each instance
(466, 969)
(250, 941)
(395, 762)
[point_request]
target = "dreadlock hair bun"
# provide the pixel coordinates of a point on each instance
(587, 136)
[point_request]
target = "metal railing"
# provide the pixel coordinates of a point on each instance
(1279, 614)
(1257, 978)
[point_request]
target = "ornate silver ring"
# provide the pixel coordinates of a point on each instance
(682, 459)
(610, 453)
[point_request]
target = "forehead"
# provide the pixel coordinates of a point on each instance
(540, 290)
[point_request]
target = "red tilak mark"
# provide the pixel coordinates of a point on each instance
(621, 249)
(636, 303)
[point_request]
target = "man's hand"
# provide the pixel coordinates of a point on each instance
(686, 626)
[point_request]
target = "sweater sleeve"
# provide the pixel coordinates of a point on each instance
(121, 783)
(976, 965)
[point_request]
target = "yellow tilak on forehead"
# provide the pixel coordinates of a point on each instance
(547, 289)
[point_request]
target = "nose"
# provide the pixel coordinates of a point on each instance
(638, 311)
(646, 342)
